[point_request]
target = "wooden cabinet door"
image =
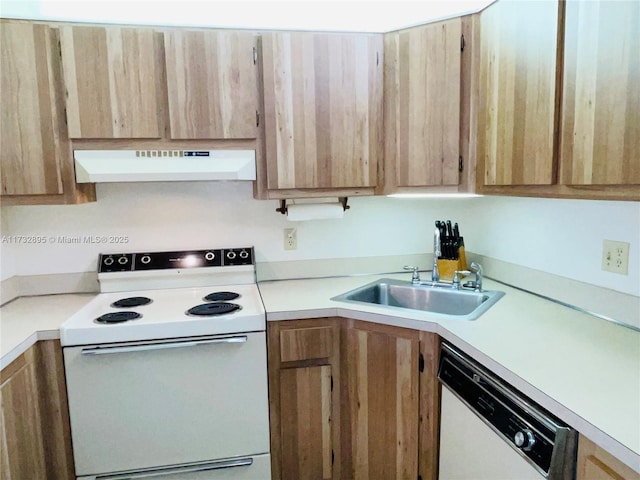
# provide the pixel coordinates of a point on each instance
(113, 81)
(212, 84)
(380, 423)
(323, 109)
(23, 449)
(600, 137)
(304, 399)
(423, 117)
(594, 463)
(305, 425)
(429, 434)
(517, 108)
(35, 434)
(31, 152)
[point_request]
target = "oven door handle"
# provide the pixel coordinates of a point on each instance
(201, 467)
(143, 347)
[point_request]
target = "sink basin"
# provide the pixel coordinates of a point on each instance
(442, 300)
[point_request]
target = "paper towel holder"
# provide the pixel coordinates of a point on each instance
(342, 200)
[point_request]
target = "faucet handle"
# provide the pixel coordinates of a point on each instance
(477, 268)
(415, 277)
(456, 278)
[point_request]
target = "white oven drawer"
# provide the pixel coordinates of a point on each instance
(243, 468)
(151, 404)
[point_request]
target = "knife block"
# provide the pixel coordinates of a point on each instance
(447, 268)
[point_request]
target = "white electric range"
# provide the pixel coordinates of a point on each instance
(166, 369)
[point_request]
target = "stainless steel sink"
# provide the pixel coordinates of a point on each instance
(443, 300)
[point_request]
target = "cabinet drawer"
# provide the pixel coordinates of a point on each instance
(305, 343)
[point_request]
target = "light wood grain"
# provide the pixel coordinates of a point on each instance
(52, 396)
(380, 430)
(211, 82)
(594, 463)
(306, 343)
(517, 111)
(305, 402)
(21, 421)
(112, 81)
(59, 161)
(469, 98)
(303, 445)
(323, 109)
(31, 153)
(429, 407)
(600, 142)
(427, 128)
(36, 435)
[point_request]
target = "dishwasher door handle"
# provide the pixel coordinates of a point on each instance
(143, 347)
(157, 472)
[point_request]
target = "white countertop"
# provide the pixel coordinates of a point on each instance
(582, 369)
(26, 320)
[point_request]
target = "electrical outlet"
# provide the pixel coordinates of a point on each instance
(615, 257)
(290, 239)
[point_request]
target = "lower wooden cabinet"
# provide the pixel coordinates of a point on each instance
(305, 405)
(594, 463)
(34, 427)
(352, 400)
(380, 392)
(304, 398)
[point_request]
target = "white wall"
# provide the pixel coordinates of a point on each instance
(562, 237)
(8, 253)
(167, 216)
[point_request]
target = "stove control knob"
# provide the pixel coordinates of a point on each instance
(209, 256)
(231, 255)
(145, 259)
(123, 260)
(108, 261)
(244, 254)
(525, 439)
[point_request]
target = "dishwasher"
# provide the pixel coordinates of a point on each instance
(490, 431)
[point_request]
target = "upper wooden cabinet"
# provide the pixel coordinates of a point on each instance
(600, 143)
(31, 150)
(422, 104)
(212, 84)
(36, 161)
(558, 99)
(113, 82)
(517, 104)
(323, 110)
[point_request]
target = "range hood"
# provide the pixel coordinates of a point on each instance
(100, 166)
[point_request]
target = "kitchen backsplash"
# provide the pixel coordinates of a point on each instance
(563, 237)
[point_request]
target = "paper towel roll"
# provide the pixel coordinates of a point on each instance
(314, 211)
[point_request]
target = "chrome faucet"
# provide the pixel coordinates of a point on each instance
(477, 268)
(415, 276)
(435, 273)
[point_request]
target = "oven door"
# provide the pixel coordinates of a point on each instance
(143, 405)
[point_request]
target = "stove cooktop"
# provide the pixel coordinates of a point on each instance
(165, 313)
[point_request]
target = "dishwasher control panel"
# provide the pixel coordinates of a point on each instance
(539, 437)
